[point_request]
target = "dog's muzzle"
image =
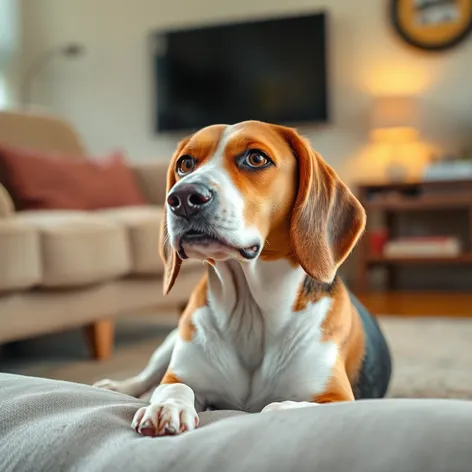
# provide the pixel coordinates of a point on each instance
(197, 223)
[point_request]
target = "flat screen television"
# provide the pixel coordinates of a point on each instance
(271, 70)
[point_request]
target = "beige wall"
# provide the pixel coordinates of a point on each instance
(107, 93)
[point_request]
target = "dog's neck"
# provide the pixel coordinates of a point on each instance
(264, 288)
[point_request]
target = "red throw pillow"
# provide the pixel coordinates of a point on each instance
(41, 180)
(111, 183)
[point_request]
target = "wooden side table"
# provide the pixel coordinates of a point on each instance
(389, 202)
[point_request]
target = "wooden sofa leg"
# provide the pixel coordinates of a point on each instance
(100, 336)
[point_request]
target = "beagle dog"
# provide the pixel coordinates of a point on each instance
(270, 326)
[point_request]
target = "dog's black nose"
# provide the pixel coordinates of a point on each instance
(188, 199)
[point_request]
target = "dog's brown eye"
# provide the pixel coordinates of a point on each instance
(185, 165)
(256, 159)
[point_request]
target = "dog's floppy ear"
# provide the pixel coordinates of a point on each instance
(327, 219)
(172, 261)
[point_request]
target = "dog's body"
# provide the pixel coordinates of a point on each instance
(270, 326)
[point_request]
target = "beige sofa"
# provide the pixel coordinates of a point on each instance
(65, 269)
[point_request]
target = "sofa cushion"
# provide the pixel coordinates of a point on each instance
(78, 248)
(143, 227)
(49, 425)
(20, 256)
(41, 180)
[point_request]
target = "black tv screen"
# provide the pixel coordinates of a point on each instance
(272, 70)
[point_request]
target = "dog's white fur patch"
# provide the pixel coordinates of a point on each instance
(249, 351)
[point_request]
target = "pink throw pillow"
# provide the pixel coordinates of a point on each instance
(41, 180)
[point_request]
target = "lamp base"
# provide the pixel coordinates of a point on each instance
(397, 172)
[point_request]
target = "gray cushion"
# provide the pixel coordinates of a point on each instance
(51, 426)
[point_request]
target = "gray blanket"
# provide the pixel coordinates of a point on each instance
(53, 426)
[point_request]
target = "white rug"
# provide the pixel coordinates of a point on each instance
(432, 357)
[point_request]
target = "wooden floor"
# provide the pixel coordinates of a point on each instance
(65, 356)
(455, 304)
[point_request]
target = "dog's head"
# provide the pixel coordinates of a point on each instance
(256, 190)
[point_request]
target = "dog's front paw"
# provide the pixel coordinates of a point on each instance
(170, 417)
(130, 386)
(115, 386)
(286, 405)
(109, 385)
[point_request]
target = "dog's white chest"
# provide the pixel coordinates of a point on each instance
(244, 365)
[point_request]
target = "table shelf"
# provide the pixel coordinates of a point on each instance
(424, 203)
(394, 203)
(465, 258)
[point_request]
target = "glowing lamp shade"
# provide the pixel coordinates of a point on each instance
(394, 118)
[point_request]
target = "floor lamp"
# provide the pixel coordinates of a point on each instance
(72, 51)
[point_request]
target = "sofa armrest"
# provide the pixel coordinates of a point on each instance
(6, 203)
(151, 177)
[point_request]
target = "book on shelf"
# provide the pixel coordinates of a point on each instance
(449, 170)
(423, 246)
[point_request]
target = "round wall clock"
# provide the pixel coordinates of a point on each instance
(432, 24)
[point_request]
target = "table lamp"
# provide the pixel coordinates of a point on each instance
(393, 122)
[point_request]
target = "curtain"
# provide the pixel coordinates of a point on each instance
(8, 44)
